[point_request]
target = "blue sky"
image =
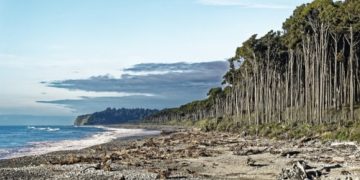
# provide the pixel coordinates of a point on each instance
(59, 40)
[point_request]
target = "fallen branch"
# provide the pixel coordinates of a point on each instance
(250, 151)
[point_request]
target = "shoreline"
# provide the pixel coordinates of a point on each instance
(188, 154)
(148, 128)
(107, 135)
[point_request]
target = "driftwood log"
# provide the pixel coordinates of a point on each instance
(301, 170)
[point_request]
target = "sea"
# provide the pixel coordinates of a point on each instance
(17, 141)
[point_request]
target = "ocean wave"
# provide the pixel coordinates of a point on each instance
(48, 129)
(4, 151)
(43, 147)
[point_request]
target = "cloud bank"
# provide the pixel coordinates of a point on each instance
(162, 86)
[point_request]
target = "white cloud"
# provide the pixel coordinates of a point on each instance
(245, 3)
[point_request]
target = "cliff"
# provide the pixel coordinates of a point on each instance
(82, 120)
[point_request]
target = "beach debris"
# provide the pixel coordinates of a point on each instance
(69, 159)
(297, 171)
(249, 151)
(250, 161)
(304, 139)
(190, 171)
(122, 177)
(344, 144)
(162, 173)
(289, 153)
(177, 149)
(346, 173)
(345, 147)
(338, 159)
(106, 165)
(301, 170)
(96, 167)
(151, 143)
(167, 132)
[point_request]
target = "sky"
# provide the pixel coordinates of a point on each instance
(69, 57)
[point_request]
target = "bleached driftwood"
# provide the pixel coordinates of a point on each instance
(352, 145)
(301, 170)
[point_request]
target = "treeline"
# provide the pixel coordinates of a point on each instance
(305, 74)
(114, 116)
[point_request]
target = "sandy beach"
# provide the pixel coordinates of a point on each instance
(180, 153)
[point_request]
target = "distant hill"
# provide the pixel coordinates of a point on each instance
(114, 116)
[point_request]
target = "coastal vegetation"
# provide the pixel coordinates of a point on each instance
(306, 78)
(114, 116)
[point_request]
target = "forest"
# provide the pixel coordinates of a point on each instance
(307, 73)
(114, 116)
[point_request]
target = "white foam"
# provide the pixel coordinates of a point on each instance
(110, 134)
(48, 129)
(4, 151)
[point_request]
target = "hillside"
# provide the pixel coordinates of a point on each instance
(309, 73)
(113, 116)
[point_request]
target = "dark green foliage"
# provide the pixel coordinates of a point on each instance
(114, 116)
(307, 74)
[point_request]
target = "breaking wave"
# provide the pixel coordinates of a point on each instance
(48, 129)
(43, 147)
